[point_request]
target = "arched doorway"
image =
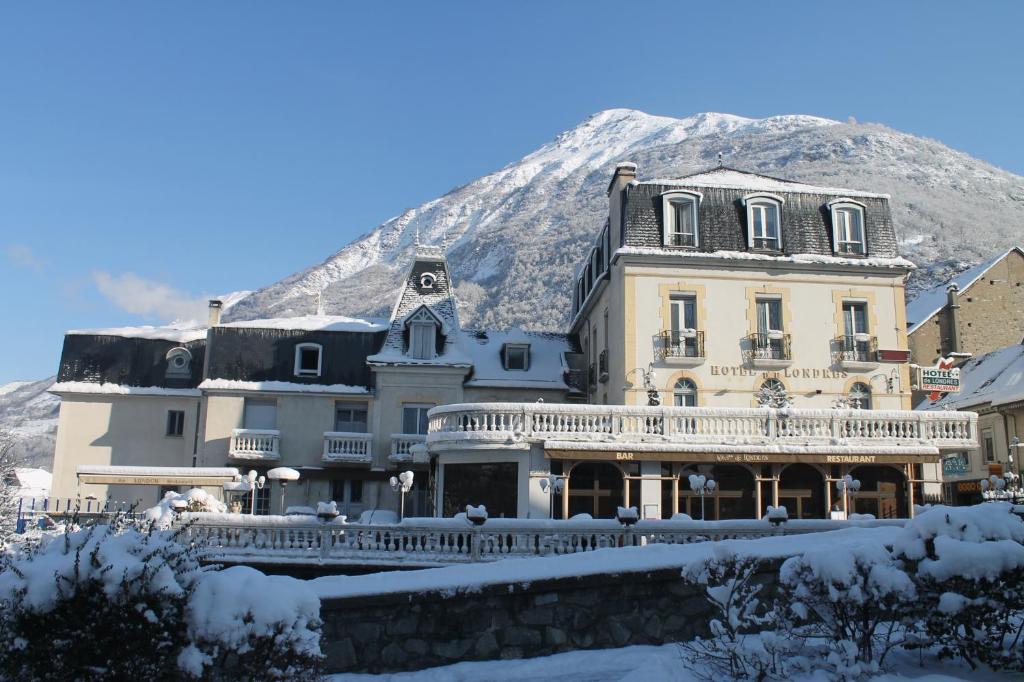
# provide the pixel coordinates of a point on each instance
(733, 497)
(883, 492)
(595, 488)
(802, 492)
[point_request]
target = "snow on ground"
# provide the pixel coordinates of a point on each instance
(632, 664)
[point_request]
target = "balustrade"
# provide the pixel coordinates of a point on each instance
(341, 446)
(259, 444)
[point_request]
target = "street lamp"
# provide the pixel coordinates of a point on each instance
(554, 485)
(403, 483)
(282, 475)
(993, 488)
(648, 375)
(847, 485)
(702, 485)
(255, 483)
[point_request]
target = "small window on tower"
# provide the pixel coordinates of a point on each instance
(427, 281)
(517, 356)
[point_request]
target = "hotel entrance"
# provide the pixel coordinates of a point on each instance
(802, 492)
(595, 488)
(882, 492)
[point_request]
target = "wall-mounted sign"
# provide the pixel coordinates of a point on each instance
(968, 487)
(943, 378)
(789, 372)
(885, 355)
(954, 466)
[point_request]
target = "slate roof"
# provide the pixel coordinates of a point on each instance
(930, 301)
(806, 218)
(996, 378)
(102, 358)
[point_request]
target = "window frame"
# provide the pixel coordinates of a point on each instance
(305, 346)
(837, 206)
(763, 199)
(340, 405)
(421, 408)
(670, 203)
(855, 396)
(178, 371)
(679, 391)
(506, 356)
(175, 418)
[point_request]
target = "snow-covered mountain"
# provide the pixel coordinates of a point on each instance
(514, 236)
(28, 414)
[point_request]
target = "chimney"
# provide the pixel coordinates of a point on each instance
(213, 317)
(953, 305)
(625, 173)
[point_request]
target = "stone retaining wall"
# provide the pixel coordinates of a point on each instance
(410, 631)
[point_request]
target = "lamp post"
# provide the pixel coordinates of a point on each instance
(552, 485)
(255, 483)
(282, 475)
(847, 485)
(702, 485)
(403, 483)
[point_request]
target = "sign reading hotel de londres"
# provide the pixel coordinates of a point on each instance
(941, 379)
(789, 372)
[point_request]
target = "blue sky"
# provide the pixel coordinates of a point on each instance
(152, 154)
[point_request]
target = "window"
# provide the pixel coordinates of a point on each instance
(860, 396)
(988, 446)
(855, 318)
(427, 281)
(414, 418)
(685, 393)
(764, 222)
(848, 227)
(308, 359)
(422, 335)
(349, 418)
(260, 414)
(769, 315)
(517, 356)
(179, 363)
(683, 337)
(175, 422)
(680, 217)
(348, 494)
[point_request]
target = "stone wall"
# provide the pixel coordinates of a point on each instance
(410, 631)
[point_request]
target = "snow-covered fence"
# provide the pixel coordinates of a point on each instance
(60, 506)
(722, 425)
(446, 541)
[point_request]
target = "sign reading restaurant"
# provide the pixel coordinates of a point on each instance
(735, 458)
(941, 379)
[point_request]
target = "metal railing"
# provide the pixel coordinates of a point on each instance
(255, 444)
(768, 346)
(446, 541)
(679, 344)
(721, 427)
(856, 348)
(348, 447)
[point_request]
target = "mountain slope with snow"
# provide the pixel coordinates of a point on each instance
(514, 237)
(28, 416)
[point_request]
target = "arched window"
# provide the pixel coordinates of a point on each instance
(179, 363)
(679, 211)
(764, 222)
(860, 396)
(422, 335)
(685, 393)
(848, 227)
(772, 393)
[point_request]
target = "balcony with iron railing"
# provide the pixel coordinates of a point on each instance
(743, 431)
(856, 352)
(255, 445)
(768, 350)
(683, 348)
(344, 447)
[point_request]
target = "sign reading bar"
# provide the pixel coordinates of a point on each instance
(737, 458)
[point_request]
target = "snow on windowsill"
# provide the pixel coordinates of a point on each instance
(118, 389)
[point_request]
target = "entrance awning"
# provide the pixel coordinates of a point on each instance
(142, 475)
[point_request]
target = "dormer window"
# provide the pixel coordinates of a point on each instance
(308, 359)
(848, 227)
(179, 363)
(517, 356)
(764, 222)
(427, 281)
(422, 335)
(679, 210)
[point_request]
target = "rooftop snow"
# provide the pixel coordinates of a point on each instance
(185, 333)
(119, 389)
(746, 255)
(996, 378)
(545, 370)
(930, 301)
(280, 386)
(155, 471)
(325, 323)
(728, 178)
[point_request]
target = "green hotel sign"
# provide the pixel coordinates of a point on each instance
(954, 466)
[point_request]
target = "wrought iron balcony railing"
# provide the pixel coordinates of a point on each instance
(679, 344)
(856, 348)
(768, 346)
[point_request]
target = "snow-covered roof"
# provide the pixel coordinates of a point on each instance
(324, 323)
(995, 378)
(119, 389)
(876, 262)
(184, 333)
(114, 470)
(930, 301)
(730, 178)
(32, 482)
(280, 386)
(546, 369)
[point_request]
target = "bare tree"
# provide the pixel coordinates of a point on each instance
(8, 487)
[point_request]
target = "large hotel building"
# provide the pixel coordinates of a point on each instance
(745, 328)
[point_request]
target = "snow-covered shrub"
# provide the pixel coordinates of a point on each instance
(115, 602)
(195, 500)
(856, 603)
(102, 602)
(8, 487)
(738, 648)
(969, 570)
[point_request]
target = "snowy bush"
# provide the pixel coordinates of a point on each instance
(195, 500)
(115, 602)
(969, 571)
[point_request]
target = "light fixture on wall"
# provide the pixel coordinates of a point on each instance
(649, 377)
(890, 380)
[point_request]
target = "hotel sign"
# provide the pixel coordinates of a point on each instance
(789, 372)
(941, 379)
(736, 458)
(111, 479)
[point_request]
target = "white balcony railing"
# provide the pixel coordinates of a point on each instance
(401, 444)
(752, 428)
(256, 444)
(343, 447)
